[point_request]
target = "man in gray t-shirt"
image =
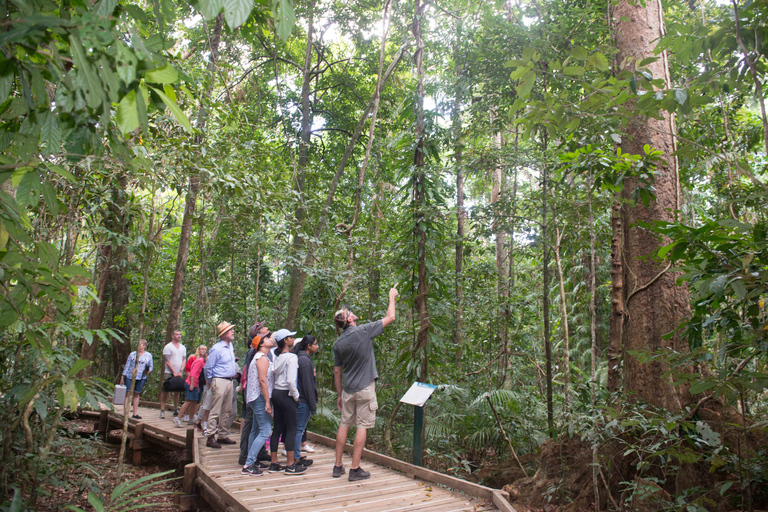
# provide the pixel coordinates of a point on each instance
(354, 364)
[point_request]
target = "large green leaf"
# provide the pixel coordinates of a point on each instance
(106, 7)
(526, 84)
(93, 88)
(127, 113)
(163, 75)
(126, 63)
(285, 17)
(179, 114)
(210, 8)
(50, 134)
(237, 11)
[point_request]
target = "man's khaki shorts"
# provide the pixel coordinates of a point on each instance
(359, 408)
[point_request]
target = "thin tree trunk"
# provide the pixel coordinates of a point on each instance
(147, 263)
(174, 309)
(497, 194)
(419, 200)
(545, 303)
(564, 322)
(593, 339)
(460, 212)
(616, 326)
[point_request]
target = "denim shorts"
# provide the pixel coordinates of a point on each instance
(193, 395)
(139, 385)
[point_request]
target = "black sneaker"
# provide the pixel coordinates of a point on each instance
(358, 474)
(275, 467)
(175, 412)
(251, 471)
(261, 465)
(294, 469)
(304, 462)
(136, 417)
(338, 471)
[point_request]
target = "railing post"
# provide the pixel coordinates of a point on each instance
(138, 444)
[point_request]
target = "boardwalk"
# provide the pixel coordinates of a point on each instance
(215, 475)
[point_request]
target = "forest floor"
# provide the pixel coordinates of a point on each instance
(88, 465)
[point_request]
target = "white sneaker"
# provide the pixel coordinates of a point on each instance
(284, 452)
(308, 448)
(186, 417)
(177, 422)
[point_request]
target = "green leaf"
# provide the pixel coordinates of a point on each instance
(526, 84)
(50, 134)
(95, 502)
(7, 75)
(519, 72)
(106, 7)
(92, 86)
(60, 171)
(286, 19)
(3, 236)
(681, 96)
(126, 63)
(127, 113)
(163, 75)
(598, 61)
(529, 54)
(236, 12)
(739, 288)
(702, 386)
(210, 8)
(645, 62)
(80, 364)
(574, 70)
(179, 114)
(579, 52)
(633, 84)
(69, 392)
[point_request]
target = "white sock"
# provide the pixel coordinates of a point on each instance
(186, 417)
(205, 425)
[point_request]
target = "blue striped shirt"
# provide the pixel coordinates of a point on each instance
(145, 361)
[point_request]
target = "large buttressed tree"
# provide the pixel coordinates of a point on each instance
(653, 304)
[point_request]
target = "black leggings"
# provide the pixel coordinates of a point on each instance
(285, 409)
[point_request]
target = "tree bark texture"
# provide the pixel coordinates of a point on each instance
(177, 290)
(616, 326)
(563, 322)
(545, 303)
(654, 304)
(461, 214)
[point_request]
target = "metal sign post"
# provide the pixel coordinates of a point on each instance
(417, 395)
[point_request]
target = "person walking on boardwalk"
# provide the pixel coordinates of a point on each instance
(142, 361)
(220, 369)
(192, 387)
(285, 400)
(307, 385)
(174, 357)
(259, 383)
(354, 364)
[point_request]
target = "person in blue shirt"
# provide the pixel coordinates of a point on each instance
(220, 370)
(143, 367)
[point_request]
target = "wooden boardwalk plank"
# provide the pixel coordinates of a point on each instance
(312, 491)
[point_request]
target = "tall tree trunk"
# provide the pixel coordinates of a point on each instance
(593, 339)
(502, 291)
(419, 201)
(98, 307)
(298, 274)
(174, 309)
(564, 322)
(654, 303)
(545, 302)
(461, 213)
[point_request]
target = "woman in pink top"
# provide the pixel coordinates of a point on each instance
(192, 387)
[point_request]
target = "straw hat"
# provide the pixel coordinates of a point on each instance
(223, 327)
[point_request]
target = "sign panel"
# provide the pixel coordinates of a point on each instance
(418, 394)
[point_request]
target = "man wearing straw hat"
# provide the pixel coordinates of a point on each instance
(220, 369)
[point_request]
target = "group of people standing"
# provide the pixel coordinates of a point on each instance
(279, 385)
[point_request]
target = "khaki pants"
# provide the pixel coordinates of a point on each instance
(221, 408)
